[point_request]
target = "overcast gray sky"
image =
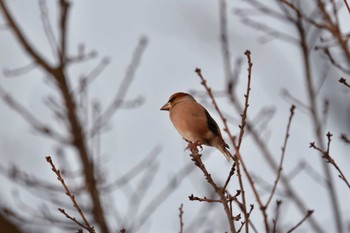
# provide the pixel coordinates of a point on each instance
(182, 35)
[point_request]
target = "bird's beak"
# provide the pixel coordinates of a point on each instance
(166, 107)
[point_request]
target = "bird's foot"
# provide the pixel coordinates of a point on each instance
(193, 146)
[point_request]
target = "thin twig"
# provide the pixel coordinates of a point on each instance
(249, 221)
(282, 156)
(87, 225)
(225, 46)
(246, 103)
(200, 199)
(275, 221)
(72, 219)
(345, 138)
(198, 162)
(22, 39)
(285, 15)
(332, 60)
(31, 118)
(347, 5)
(344, 82)
(20, 71)
(181, 218)
(96, 71)
(44, 13)
(163, 194)
(308, 214)
(317, 126)
(59, 74)
(123, 87)
(133, 172)
(329, 159)
(64, 8)
(292, 99)
(227, 130)
(240, 138)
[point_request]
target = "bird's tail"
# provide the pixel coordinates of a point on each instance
(223, 148)
(227, 153)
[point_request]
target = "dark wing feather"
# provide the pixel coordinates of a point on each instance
(213, 126)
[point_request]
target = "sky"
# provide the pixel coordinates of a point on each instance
(181, 35)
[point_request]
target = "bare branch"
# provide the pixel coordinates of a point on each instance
(344, 82)
(347, 5)
(196, 158)
(200, 199)
(237, 157)
(133, 172)
(345, 138)
(87, 225)
(30, 118)
(181, 219)
(282, 156)
(163, 194)
(7, 225)
(275, 220)
(123, 88)
(44, 12)
(23, 40)
(329, 159)
(20, 71)
(308, 214)
(73, 219)
(225, 46)
(64, 8)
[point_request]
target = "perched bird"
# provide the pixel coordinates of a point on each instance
(194, 123)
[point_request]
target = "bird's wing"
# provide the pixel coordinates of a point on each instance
(212, 125)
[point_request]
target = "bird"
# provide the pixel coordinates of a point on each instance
(194, 123)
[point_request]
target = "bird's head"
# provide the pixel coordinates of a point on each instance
(175, 99)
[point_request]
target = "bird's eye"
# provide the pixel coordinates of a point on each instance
(171, 99)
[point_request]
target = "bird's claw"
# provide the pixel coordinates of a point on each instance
(193, 146)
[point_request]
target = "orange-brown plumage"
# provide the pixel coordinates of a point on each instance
(194, 123)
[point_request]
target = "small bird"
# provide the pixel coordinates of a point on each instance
(194, 123)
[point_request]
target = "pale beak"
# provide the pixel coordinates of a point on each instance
(166, 107)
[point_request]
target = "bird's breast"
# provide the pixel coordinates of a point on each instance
(190, 121)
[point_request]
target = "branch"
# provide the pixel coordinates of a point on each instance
(240, 138)
(200, 199)
(282, 156)
(329, 159)
(238, 156)
(123, 88)
(347, 5)
(345, 138)
(344, 82)
(246, 103)
(163, 194)
(133, 172)
(64, 7)
(73, 219)
(22, 39)
(196, 158)
(44, 12)
(275, 221)
(30, 118)
(59, 74)
(87, 225)
(7, 225)
(181, 218)
(308, 214)
(20, 71)
(225, 46)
